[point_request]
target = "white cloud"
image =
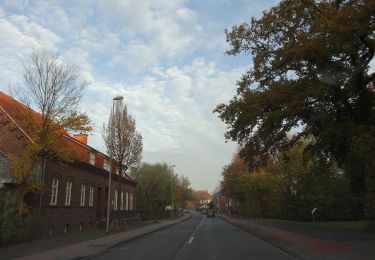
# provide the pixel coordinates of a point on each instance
(150, 30)
(185, 14)
(18, 36)
(18, 31)
(14, 4)
(177, 103)
(145, 51)
(173, 112)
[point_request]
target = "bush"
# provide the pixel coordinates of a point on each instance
(14, 228)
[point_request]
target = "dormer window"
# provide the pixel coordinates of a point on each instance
(92, 158)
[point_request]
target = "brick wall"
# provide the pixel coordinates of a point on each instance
(76, 216)
(59, 216)
(12, 140)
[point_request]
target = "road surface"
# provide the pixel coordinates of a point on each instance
(197, 238)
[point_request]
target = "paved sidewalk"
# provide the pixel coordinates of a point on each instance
(309, 246)
(97, 246)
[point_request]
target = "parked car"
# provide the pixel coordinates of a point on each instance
(204, 211)
(210, 213)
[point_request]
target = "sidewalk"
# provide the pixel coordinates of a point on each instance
(97, 246)
(306, 243)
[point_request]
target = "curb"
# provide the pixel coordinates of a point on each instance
(273, 244)
(131, 239)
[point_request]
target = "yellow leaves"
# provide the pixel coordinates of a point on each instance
(76, 122)
(22, 166)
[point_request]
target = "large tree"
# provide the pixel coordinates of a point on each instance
(153, 188)
(310, 78)
(54, 89)
(122, 139)
(183, 191)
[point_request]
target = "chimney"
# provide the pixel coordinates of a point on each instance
(81, 137)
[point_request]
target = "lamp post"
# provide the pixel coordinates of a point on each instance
(172, 166)
(115, 99)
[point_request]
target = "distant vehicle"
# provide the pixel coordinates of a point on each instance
(187, 210)
(204, 211)
(210, 213)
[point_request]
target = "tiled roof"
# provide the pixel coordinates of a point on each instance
(20, 115)
(19, 112)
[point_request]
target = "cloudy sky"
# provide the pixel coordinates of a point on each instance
(165, 57)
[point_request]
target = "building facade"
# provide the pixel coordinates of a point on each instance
(202, 199)
(76, 193)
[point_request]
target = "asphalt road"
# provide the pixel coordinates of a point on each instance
(197, 238)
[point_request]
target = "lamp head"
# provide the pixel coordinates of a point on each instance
(118, 98)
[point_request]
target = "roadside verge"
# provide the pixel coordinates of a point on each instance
(308, 243)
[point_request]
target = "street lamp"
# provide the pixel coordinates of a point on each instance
(115, 99)
(172, 208)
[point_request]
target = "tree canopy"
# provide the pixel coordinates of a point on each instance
(310, 78)
(289, 187)
(156, 182)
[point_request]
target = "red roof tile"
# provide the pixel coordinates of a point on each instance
(19, 112)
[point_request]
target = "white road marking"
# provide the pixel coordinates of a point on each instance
(191, 240)
(200, 224)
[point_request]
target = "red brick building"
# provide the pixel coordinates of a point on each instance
(76, 193)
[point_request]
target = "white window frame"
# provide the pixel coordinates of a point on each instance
(92, 158)
(54, 191)
(68, 193)
(131, 201)
(122, 200)
(115, 200)
(127, 201)
(83, 195)
(91, 196)
(106, 165)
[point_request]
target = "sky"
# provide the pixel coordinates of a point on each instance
(165, 57)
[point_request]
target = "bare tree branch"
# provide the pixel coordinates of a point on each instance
(123, 142)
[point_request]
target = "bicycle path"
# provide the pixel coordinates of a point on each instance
(309, 246)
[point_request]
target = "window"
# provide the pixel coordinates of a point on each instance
(83, 195)
(92, 158)
(4, 168)
(115, 200)
(127, 201)
(122, 200)
(105, 165)
(131, 202)
(68, 193)
(54, 191)
(91, 196)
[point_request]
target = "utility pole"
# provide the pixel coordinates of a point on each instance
(172, 206)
